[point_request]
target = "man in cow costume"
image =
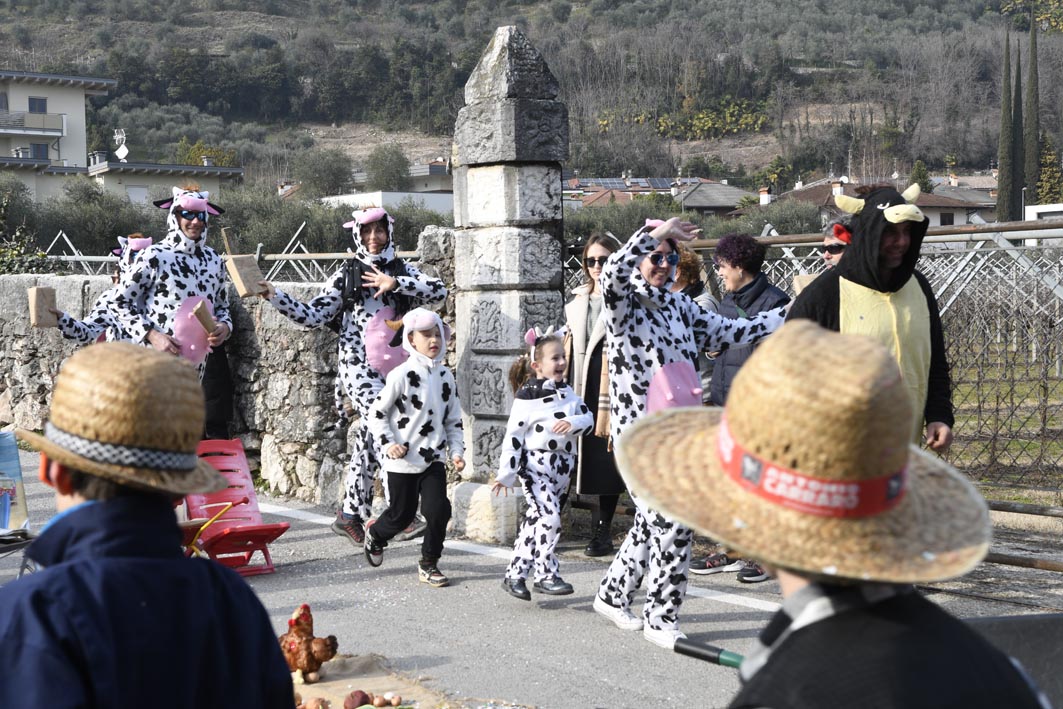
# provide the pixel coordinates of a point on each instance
(155, 298)
(158, 292)
(370, 289)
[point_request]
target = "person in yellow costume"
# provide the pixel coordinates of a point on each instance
(877, 291)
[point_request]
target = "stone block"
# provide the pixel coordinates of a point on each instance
(483, 384)
(510, 67)
(511, 130)
(484, 517)
(497, 258)
(511, 195)
(495, 321)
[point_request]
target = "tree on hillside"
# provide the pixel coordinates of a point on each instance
(323, 172)
(922, 176)
(387, 169)
(1005, 174)
(1050, 184)
(188, 153)
(1049, 12)
(1018, 146)
(1031, 130)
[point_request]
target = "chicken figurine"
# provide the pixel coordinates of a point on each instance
(305, 653)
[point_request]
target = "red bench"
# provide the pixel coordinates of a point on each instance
(230, 528)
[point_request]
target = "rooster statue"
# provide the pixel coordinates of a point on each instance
(305, 653)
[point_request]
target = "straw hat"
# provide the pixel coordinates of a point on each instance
(809, 467)
(131, 415)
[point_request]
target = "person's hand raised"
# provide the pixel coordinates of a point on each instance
(676, 228)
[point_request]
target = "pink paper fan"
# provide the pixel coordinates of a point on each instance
(189, 333)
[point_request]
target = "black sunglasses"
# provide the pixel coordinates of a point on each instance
(657, 257)
(185, 214)
(592, 261)
(834, 249)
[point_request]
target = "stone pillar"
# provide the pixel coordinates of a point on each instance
(509, 141)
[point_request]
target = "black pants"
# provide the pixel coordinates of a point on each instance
(404, 490)
(218, 392)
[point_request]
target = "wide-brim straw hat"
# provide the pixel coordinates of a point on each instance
(810, 467)
(131, 415)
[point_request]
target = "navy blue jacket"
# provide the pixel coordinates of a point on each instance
(747, 301)
(120, 618)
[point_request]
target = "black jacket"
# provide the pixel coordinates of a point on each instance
(747, 301)
(902, 653)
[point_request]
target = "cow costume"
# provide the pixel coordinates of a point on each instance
(365, 356)
(898, 309)
(418, 408)
(169, 278)
(653, 336)
(543, 461)
(100, 324)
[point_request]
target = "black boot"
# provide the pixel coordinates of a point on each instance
(601, 543)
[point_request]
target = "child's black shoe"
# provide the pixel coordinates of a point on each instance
(374, 550)
(516, 588)
(553, 586)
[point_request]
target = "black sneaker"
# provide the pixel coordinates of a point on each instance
(374, 550)
(552, 586)
(716, 564)
(350, 528)
(430, 574)
(599, 547)
(413, 530)
(516, 588)
(753, 572)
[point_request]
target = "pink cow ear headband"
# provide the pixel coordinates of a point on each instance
(368, 216)
(191, 201)
(534, 336)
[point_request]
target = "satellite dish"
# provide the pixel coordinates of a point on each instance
(844, 179)
(121, 152)
(895, 175)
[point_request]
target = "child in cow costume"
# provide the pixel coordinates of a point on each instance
(364, 294)
(100, 324)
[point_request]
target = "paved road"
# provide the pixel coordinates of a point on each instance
(484, 648)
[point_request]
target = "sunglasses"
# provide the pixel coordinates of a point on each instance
(657, 257)
(834, 249)
(185, 214)
(592, 261)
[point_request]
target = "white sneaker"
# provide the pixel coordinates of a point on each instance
(621, 618)
(664, 637)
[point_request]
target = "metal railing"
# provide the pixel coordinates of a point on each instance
(23, 120)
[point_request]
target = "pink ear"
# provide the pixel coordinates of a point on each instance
(654, 223)
(530, 336)
(138, 244)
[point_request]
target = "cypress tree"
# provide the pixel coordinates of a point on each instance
(1018, 147)
(1004, 171)
(1031, 129)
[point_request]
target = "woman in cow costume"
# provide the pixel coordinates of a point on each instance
(653, 337)
(364, 294)
(158, 292)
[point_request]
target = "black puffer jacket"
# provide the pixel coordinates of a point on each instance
(747, 301)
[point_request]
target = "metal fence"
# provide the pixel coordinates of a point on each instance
(1002, 311)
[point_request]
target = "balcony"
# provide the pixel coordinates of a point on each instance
(24, 123)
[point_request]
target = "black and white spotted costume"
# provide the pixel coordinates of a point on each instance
(648, 328)
(543, 462)
(361, 382)
(170, 272)
(101, 321)
(418, 408)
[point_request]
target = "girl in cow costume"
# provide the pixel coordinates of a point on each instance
(364, 294)
(158, 292)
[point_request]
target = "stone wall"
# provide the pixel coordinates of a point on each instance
(283, 374)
